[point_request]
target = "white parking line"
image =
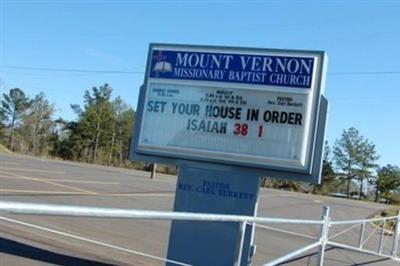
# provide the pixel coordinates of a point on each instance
(30, 170)
(12, 163)
(90, 241)
(150, 194)
(86, 191)
(24, 191)
(62, 180)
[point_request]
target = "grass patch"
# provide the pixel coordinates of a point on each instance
(389, 212)
(392, 211)
(4, 149)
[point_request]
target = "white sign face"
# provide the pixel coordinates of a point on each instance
(237, 107)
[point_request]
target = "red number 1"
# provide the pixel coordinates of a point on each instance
(260, 131)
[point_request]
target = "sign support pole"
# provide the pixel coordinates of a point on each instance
(153, 170)
(208, 188)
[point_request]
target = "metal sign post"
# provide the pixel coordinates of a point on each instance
(206, 188)
(226, 117)
(153, 171)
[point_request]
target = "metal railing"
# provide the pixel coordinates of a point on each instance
(322, 241)
(379, 225)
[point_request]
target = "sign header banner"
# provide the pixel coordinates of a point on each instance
(287, 71)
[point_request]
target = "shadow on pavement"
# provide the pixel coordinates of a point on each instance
(369, 262)
(15, 248)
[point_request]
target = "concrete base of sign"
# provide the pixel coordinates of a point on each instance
(206, 188)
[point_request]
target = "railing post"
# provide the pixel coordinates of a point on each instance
(396, 233)
(324, 235)
(362, 232)
(242, 231)
(380, 248)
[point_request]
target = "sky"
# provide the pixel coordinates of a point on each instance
(49, 45)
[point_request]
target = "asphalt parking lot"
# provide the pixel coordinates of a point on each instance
(44, 240)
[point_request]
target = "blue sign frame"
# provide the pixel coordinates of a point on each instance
(312, 172)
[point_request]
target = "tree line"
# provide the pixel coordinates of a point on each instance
(348, 167)
(354, 162)
(101, 134)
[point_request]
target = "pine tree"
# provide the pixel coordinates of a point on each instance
(13, 106)
(388, 180)
(346, 153)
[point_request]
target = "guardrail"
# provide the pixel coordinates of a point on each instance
(323, 240)
(379, 226)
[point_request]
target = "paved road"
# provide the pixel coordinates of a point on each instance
(38, 240)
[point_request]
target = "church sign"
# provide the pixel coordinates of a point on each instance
(237, 106)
